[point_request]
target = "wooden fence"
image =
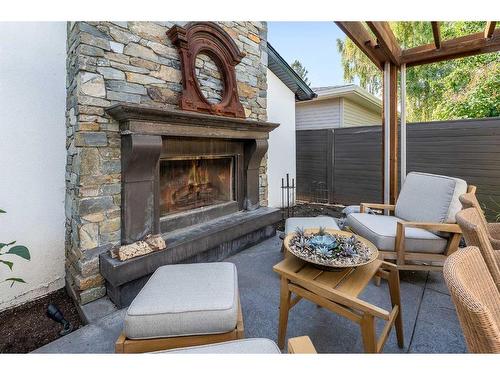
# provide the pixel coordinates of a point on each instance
(349, 160)
(314, 161)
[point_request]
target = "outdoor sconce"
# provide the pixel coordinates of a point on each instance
(56, 315)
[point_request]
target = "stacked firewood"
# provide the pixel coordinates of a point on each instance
(148, 245)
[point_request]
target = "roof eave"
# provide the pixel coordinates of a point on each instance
(287, 75)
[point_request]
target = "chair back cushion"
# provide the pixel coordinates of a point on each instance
(476, 299)
(428, 197)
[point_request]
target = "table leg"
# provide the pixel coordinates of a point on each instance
(285, 295)
(396, 300)
(368, 333)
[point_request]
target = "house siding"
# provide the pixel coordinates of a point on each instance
(324, 114)
(357, 115)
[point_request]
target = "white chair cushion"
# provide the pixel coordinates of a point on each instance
(291, 224)
(245, 346)
(381, 231)
(185, 300)
(428, 197)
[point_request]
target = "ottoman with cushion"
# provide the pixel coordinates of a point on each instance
(423, 230)
(296, 345)
(245, 346)
(184, 305)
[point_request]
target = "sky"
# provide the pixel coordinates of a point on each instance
(314, 44)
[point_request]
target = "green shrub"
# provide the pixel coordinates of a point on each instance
(17, 250)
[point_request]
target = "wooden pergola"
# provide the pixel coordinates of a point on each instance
(384, 51)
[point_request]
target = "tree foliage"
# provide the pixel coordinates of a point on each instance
(301, 71)
(459, 88)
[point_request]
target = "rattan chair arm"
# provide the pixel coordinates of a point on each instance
(494, 230)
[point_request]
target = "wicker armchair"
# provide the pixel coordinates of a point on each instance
(473, 231)
(492, 229)
(476, 299)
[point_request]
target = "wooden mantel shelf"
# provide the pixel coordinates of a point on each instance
(139, 119)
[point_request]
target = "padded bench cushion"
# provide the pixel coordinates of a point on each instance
(381, 231)
(245, 346)
(293, 223)
(185, 300)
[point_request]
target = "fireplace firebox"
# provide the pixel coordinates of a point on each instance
(200, 179)
(189, 183)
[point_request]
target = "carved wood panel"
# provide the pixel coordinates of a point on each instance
(210, 39)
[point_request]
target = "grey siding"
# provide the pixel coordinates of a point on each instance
(324, 114)
(358, 115)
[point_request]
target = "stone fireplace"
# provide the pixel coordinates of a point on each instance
(142, 161)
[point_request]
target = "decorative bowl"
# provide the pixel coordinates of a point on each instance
(330, 249)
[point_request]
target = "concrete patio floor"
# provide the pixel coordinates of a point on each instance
(430, 321)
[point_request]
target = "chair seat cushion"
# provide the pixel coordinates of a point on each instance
(381, 231)
(185, 300)
(245, 346)
(293, 223)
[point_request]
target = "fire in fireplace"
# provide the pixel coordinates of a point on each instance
(193, 182)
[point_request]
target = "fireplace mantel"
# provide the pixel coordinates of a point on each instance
(144, 131)
(153, 121)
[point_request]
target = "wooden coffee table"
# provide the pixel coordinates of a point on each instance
(338, 292)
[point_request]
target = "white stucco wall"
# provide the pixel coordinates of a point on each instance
(281, 154)
(32, 155)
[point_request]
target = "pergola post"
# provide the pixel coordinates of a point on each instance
(403, 122)
(390, 133)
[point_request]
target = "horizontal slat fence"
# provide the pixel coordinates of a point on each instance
(358, 165)
(314, 168)
(469, 149)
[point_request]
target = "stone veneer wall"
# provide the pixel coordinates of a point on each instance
(127, 62)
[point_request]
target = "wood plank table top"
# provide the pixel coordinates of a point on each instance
(339, 292)
(351, 281)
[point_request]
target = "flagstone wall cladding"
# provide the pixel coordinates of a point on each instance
(128, 62)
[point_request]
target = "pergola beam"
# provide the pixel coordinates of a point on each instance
(474, 44)
(436, 32)
(387, 40)
(490, 29)
(362, 38)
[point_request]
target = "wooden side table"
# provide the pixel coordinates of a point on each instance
(338, 292)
